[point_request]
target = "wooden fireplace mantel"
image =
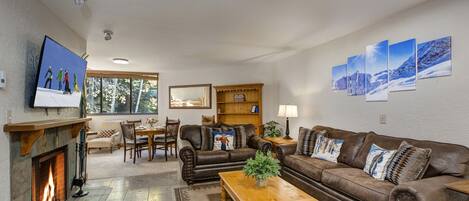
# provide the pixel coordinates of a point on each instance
(30, 132)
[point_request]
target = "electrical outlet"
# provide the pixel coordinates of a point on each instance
(382, 119)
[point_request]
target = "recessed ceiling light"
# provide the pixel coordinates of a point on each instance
(120, 61)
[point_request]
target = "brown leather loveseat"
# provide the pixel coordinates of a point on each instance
(346, 179)
(198, 164)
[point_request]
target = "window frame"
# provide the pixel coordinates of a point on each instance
(123, 75)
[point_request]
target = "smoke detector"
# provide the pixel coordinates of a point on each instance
(108, 35)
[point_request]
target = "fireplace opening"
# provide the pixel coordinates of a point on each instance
(49, 176)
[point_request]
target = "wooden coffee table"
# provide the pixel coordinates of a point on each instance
(243, 188)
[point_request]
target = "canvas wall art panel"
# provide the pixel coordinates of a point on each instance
(339, 77)
(356, 75)
(376, 68)
(434, 58)
(402, 66)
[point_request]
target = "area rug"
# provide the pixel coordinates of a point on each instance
(199, 192)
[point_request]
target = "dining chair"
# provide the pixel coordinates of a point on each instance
(169, 139)
(131, 142)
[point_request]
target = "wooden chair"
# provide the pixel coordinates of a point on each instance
(131, 142)
(169, 139)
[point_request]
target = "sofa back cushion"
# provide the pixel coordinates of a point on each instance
(352, 142)
(446, 159)
(242, 135)
(192, 133)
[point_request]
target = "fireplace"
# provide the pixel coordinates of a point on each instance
(49, 176)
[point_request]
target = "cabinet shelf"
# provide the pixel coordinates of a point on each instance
(231, 111)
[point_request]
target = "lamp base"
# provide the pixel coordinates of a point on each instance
(287, 137)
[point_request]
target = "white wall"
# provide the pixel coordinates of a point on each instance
(23, 26)
(215, 76)
(437, 110)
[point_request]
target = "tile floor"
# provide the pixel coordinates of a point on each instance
(110, 179)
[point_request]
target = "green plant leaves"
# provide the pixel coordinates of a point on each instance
(262, 166)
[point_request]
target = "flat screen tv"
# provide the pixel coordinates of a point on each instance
(60, 77)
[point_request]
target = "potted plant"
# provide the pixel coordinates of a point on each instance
(262, 167)
(271, 129)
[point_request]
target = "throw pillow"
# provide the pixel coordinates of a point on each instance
(223, 140)
(327, 148)
(377, 161)
(106, 133)
(240, 137)
(207, 137)
(307, 139)
(408, 164)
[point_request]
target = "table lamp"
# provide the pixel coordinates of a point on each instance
(287, 111)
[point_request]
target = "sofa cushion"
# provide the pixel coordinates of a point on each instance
(357, 184)
(409, 164)
(446, 159)
(242, 154)
(306, 141)
(311, 167)
(211, 157)
(327, 148)
(240, 137)
(352, 142)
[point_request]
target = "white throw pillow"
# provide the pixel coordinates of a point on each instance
(377, 161)
(327, 148)
(223, 140)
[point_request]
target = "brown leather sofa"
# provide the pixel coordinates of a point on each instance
(198, 165)
(346, 180)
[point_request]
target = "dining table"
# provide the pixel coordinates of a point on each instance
(150, 132)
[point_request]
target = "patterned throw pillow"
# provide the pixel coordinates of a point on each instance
(106, 133)
(307, 139)
(207, 137)
(408, 164)
(240, 137)
(223, 140)
(377, 161)
(327, 148)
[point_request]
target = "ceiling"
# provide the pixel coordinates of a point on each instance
(162, 35)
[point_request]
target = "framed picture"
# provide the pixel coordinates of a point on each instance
(190, 96)
(402, 68)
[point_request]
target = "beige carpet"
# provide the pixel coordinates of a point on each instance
(199, 192)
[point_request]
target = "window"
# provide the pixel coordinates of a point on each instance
(121, 93)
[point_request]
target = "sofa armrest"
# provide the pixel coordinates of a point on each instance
(285, 150)
(258, 143)
(187, 159)
(428, 189)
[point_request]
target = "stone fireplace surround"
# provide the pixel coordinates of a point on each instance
(21, 165)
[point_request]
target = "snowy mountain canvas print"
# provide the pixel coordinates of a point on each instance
(376, 68)
(434, 58)
(356, 75)
(402, 66)
(339, 77)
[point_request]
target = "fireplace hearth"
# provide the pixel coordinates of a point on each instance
(49, 176)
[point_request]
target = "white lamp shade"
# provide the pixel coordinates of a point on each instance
(287, 111)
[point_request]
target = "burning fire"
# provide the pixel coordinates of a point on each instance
(49, 190)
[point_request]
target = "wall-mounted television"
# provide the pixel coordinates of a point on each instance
(60, 77)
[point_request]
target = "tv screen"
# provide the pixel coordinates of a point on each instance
(60, 77)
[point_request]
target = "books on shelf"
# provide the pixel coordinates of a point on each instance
(255, 109)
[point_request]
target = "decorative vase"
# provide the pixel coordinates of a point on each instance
(261, 183)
